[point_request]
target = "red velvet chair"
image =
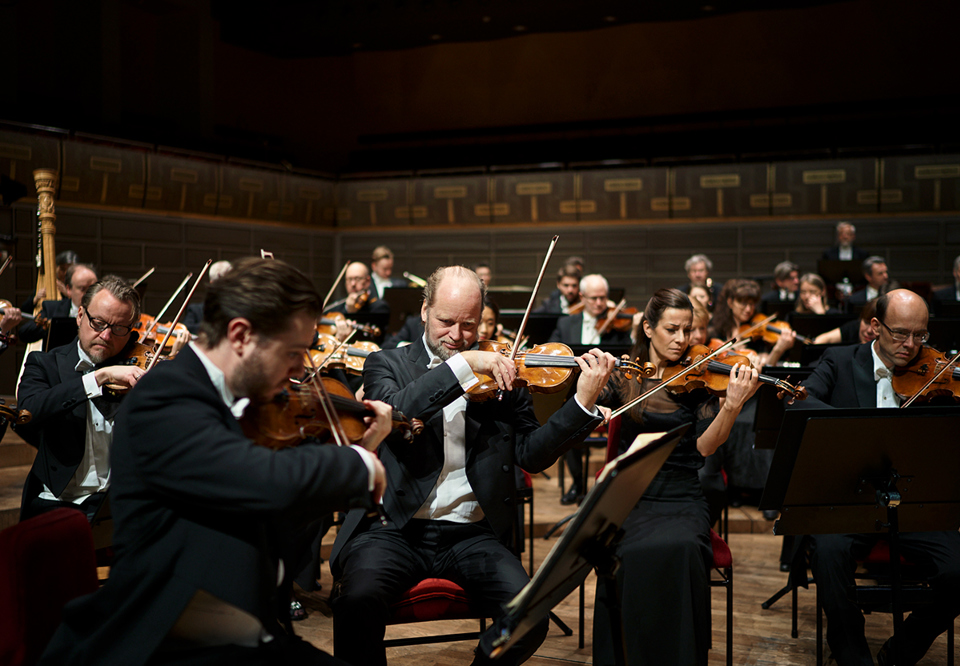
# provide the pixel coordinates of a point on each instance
(44, 563)
(433, 599)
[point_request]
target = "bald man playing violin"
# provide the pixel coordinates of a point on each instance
(199, 510)
(451, 493)
(860, 376)
(72, 424)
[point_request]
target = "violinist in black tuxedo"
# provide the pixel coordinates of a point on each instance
(845, 250)
(72, 422)
(860, 376)
(451, 492)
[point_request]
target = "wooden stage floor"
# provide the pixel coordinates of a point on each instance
(760, 637)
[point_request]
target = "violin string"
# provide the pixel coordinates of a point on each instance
(930, 383)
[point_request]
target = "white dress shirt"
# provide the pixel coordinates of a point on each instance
(884, 378)
(589, 335)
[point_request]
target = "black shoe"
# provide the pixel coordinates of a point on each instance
(770, 514)
(885, 656)
(297, 612)
(736, 502)
(571, 496)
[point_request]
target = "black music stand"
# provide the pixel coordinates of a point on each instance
(62, 331)
(835, 270)
(403, 301)
(855, 471)
(589, 543)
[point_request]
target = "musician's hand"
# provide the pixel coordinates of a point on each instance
(11, 318)
(379, 480)
(742, 385)
(379, 426)
(352, 304)
(63, 288)
(39, 296)
(787, 338)
(122, 375)
(605, 412)
(595, 369)
(813, 302)
(343, 330)
(180, 338)
(492, 364)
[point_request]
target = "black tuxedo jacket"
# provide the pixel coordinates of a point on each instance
(498, 435)
(551, 303)
(394, 282)
(947, 294)
(30, 332)
(52, 391)
(569, 330)
(843, 378)
(834, 253)
(858, 297)
(195, 504)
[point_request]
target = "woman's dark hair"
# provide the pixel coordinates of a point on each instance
(266, 292)
(738, 290)
(487, 303)
(656, 306)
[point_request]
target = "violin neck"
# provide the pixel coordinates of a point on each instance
(551, 361)
(724, 369)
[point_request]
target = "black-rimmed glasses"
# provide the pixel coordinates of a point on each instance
(99, 325)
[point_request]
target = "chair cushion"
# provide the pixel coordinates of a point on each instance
(880, 554)
(44, 563)
(722, 557)
(432, 599)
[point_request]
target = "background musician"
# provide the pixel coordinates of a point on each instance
(845, 250)
(583, 328)
(950, 294)
(786, 279)
(567, 292)
(856, 331)
(381, 266)
(860, 376)
(361, 297)
(196, 503)
(698, 268)
(451, 493)
(72, 424)
(78, 278)
(877, 276)
(813, 296)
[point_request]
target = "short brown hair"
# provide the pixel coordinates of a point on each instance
(266, 292)
(436, 277)
(118, 288)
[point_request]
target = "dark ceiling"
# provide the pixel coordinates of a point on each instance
(312, 28)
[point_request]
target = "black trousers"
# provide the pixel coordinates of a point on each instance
(832, 563)
(36, 506)
(380, 564)
(281, 650)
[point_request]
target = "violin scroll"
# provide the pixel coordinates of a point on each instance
(14, 415)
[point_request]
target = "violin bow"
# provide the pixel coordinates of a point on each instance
(515, 347)
(937, 376)
(662, 385)
(142, 277)
(163, 311)
(176, 320)
(334, 287)
(609, 321)
(266, 254)
(6, 262)
(339, 346)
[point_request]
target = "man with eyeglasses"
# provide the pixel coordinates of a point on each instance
(860, 376)
(357, 281)
(72, 424)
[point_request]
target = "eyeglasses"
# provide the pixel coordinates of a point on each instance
(901, 336)
(99, 325)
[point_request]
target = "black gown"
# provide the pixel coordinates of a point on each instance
(663, 581)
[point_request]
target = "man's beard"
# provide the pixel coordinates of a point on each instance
(440, 351)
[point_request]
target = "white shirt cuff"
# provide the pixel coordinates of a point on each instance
(463, 372)
(595, 412)
(90, 386)
(367, 459)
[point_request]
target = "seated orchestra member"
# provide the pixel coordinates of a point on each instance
(787, 281)
(489, 326)
(854, 331)
(813, 296)
(663, 582)
(10, 320)
(78, 278)
(845, 250)
(737, 306)
(845, 377)
(361, 297)
(381, 265)
(485, 273)
(195, 503)
(412, 329)
(950, 293)
(702, 295)
(699, 331)
(876, 274)
(450, 496)
(193, 315)
(698, 268)
(567, 292)
(73, 422)
(582, 329)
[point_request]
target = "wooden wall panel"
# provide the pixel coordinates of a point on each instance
(547, 196)
(249, 193)
(624, 194)
(181, 184)
(729, 190)
(451, 200)
(102, 175)
(921, 183)
(371, 203)
(307, 200)
(825, 187)
(21, 153)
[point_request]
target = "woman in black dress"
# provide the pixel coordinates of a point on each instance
(663, 581)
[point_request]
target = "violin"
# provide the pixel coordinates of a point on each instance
(150, 329)
(545, 368)
(714, 375)
(42, 322)
(349, 357)
(139, 355)
(13, 415)
(928, 376)
(298, 413)
(765, 327)
(621, 319)
(328, 325)
(363, 298)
